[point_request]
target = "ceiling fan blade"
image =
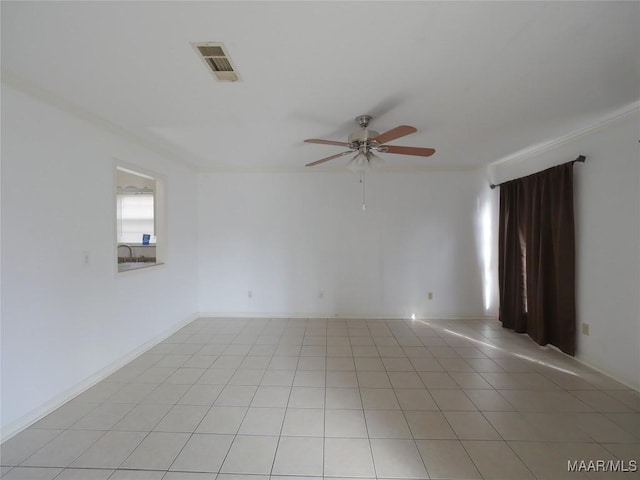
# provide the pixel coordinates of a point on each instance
(419, 151)
(394, 133)
(326, 142)
(322, 160)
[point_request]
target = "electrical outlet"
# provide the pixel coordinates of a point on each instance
(321, 294)
(430, 296)
(250, 294)
(585, 329)
(85, 257)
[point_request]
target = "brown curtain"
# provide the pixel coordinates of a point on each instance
(537, 257)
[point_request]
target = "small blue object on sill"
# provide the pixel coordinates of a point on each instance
(146, 238)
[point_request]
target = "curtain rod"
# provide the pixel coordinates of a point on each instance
(581, 159)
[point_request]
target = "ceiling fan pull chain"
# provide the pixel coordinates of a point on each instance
(364, 202)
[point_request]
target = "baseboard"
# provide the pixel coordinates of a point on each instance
(30, 418)
(608, 374)
(338, 316)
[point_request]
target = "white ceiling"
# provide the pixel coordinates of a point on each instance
(479, 80)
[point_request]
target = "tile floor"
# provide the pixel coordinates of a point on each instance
(254, 399)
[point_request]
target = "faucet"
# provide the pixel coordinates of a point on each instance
(130, 250)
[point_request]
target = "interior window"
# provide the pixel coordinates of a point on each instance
(137, 219)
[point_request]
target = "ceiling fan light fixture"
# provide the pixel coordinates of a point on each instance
(364, 160)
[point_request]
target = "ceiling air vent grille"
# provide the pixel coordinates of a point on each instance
(217, 59)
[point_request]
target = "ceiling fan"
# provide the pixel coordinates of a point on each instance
(367, 142)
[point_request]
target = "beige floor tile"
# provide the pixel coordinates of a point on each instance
(342, 379)
(386, 424)
(284, 362)
(447, 459)
(397, 459)
(281, 378)
(182, 418)
(490, 400)
(429, 425)
(201, 395)
(455, 365)
(143, 418)
(373, 379)
(345, 423)
(601, 429)
(415, 399)
(550, 461)
(631, 398)
(84, 474)
(166, 394)
(136, 475)
(544, 401)
(437, 380)
(17, 449)
(452, 400)
(250, 455)
(299, 456)
(222, 420)
(348, 457)
(63, 449)
(601, 401)
(379, 398)
(495, 460)
(630, 422)
(32, 473)
(189, 476)
(309, 378)
(370, 363)
(187, 376)
(312, 363)
(405, 380)
(110, 450)
(340, 364)
(271, 397)
(262, 421)
(245, 376)
(203, 453)
(513, 426)
(343, 398)
(66, 415)
(624, 451)
(157, 451)
(236, 396)
(308, 422)
(217, 376)
(470, 380)
(471, 426)
(426, 365)
(306, 397)
(103, 417)
(397, 365)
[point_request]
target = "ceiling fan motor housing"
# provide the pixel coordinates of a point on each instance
(363, 137)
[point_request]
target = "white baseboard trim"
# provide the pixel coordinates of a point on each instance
(221, 315)
(609, 374)
(30, 418)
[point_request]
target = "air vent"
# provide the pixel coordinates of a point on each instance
(217, 59)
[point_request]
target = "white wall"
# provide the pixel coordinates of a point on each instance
(607, 203)
(287, 237)
(62, 320)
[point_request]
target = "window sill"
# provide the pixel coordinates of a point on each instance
(130, 266)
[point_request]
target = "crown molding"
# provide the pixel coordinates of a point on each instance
(46, 96)
(539, 149)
